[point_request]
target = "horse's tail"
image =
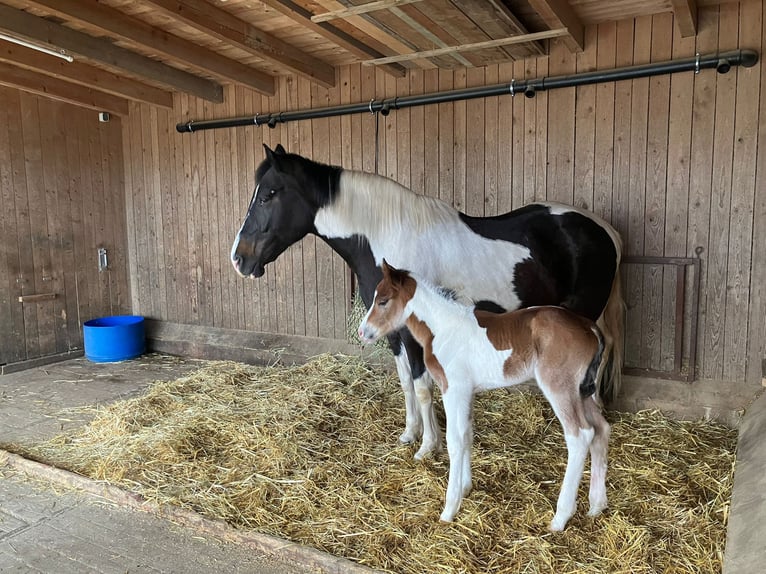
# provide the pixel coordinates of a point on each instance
(612, 325)
(590, 380)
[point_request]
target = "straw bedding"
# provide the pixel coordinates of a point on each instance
(310, 453)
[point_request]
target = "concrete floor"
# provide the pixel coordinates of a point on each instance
(50, 528)
(47, 528)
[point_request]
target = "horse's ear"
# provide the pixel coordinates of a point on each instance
(386, 268)
(273, 157)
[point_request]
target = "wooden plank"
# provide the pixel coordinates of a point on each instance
(584, 154)
(446, 141)
(115, 175)
(12, 319)
(720, 206)
(42, 85)
(339, 279)
(310, 285)
(541, 142)
(740, 255)
(209, 221)
(450, 50)
(435, 34)
(121, 25)
(417, 134)
(531, 184)
(506, 135)
(334, 34)
(634, 240)
(677, 194)
(467, 115)
(52, 146)
(361, 9)
(519, 119)
(756, 344)
(86, 75)
(100, 235)
(219, 23)
(561, 128)
(166, 190)
(38, 224)
(432, 137)
(491, 137)
(701, 166)
(659, 353)
(604, 115)
(470, 178)
(27, 25)
(128, 138)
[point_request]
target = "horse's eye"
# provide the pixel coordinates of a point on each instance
(382, 302)
(268, 196)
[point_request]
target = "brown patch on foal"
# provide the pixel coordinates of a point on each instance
(425, 337)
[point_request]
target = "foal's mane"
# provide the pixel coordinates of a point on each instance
(386, 206)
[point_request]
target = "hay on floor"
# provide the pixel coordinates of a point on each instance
(310, 453)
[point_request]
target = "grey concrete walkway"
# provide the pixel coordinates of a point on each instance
(47, 527)
(746, 536)
(62, 531)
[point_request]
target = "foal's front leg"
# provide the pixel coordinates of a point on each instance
(458, 406)
(432, 436)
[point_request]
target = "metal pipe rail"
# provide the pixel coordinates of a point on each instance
(722, 62)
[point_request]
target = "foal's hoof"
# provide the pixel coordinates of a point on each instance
(558, 524)
(595, 510)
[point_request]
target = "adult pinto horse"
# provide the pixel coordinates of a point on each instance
(540, 254)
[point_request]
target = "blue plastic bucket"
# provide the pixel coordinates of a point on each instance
(112, 339)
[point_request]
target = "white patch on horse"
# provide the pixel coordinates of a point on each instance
(422, 234)
(239, 233)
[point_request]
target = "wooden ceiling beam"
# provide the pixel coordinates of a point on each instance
(533, 37)
(685, 15)
(219, 23)
(41, 30)
(559, 14)
(364, 24)
(360, 9)
(43, 85)
(115, 23)
(302, 16)
(85, 75)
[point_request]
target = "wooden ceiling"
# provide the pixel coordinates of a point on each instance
(147, 49)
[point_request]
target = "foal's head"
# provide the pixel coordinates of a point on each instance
(388, 311)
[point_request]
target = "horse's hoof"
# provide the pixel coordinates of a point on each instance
(596, 509)
(408, 437)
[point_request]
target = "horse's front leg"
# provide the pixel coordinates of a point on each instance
(423, 385)
(413, 422)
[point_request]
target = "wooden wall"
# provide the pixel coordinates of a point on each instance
(62, 197)
(672, 162)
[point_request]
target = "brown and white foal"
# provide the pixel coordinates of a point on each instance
(468, 351)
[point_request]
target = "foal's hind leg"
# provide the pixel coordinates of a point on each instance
(424, 390)
(578, 434)
(598, 457)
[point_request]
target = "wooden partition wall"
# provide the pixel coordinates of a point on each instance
(672, 162)
(61, 199)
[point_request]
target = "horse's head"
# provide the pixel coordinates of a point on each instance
(288, 191)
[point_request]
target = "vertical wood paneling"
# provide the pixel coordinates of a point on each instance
(756, 344)
(53, 221)
(672, 162)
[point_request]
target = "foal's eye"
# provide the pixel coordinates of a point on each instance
(382, 302)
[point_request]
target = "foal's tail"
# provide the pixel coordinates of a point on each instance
(588, 384)
(612, 324)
